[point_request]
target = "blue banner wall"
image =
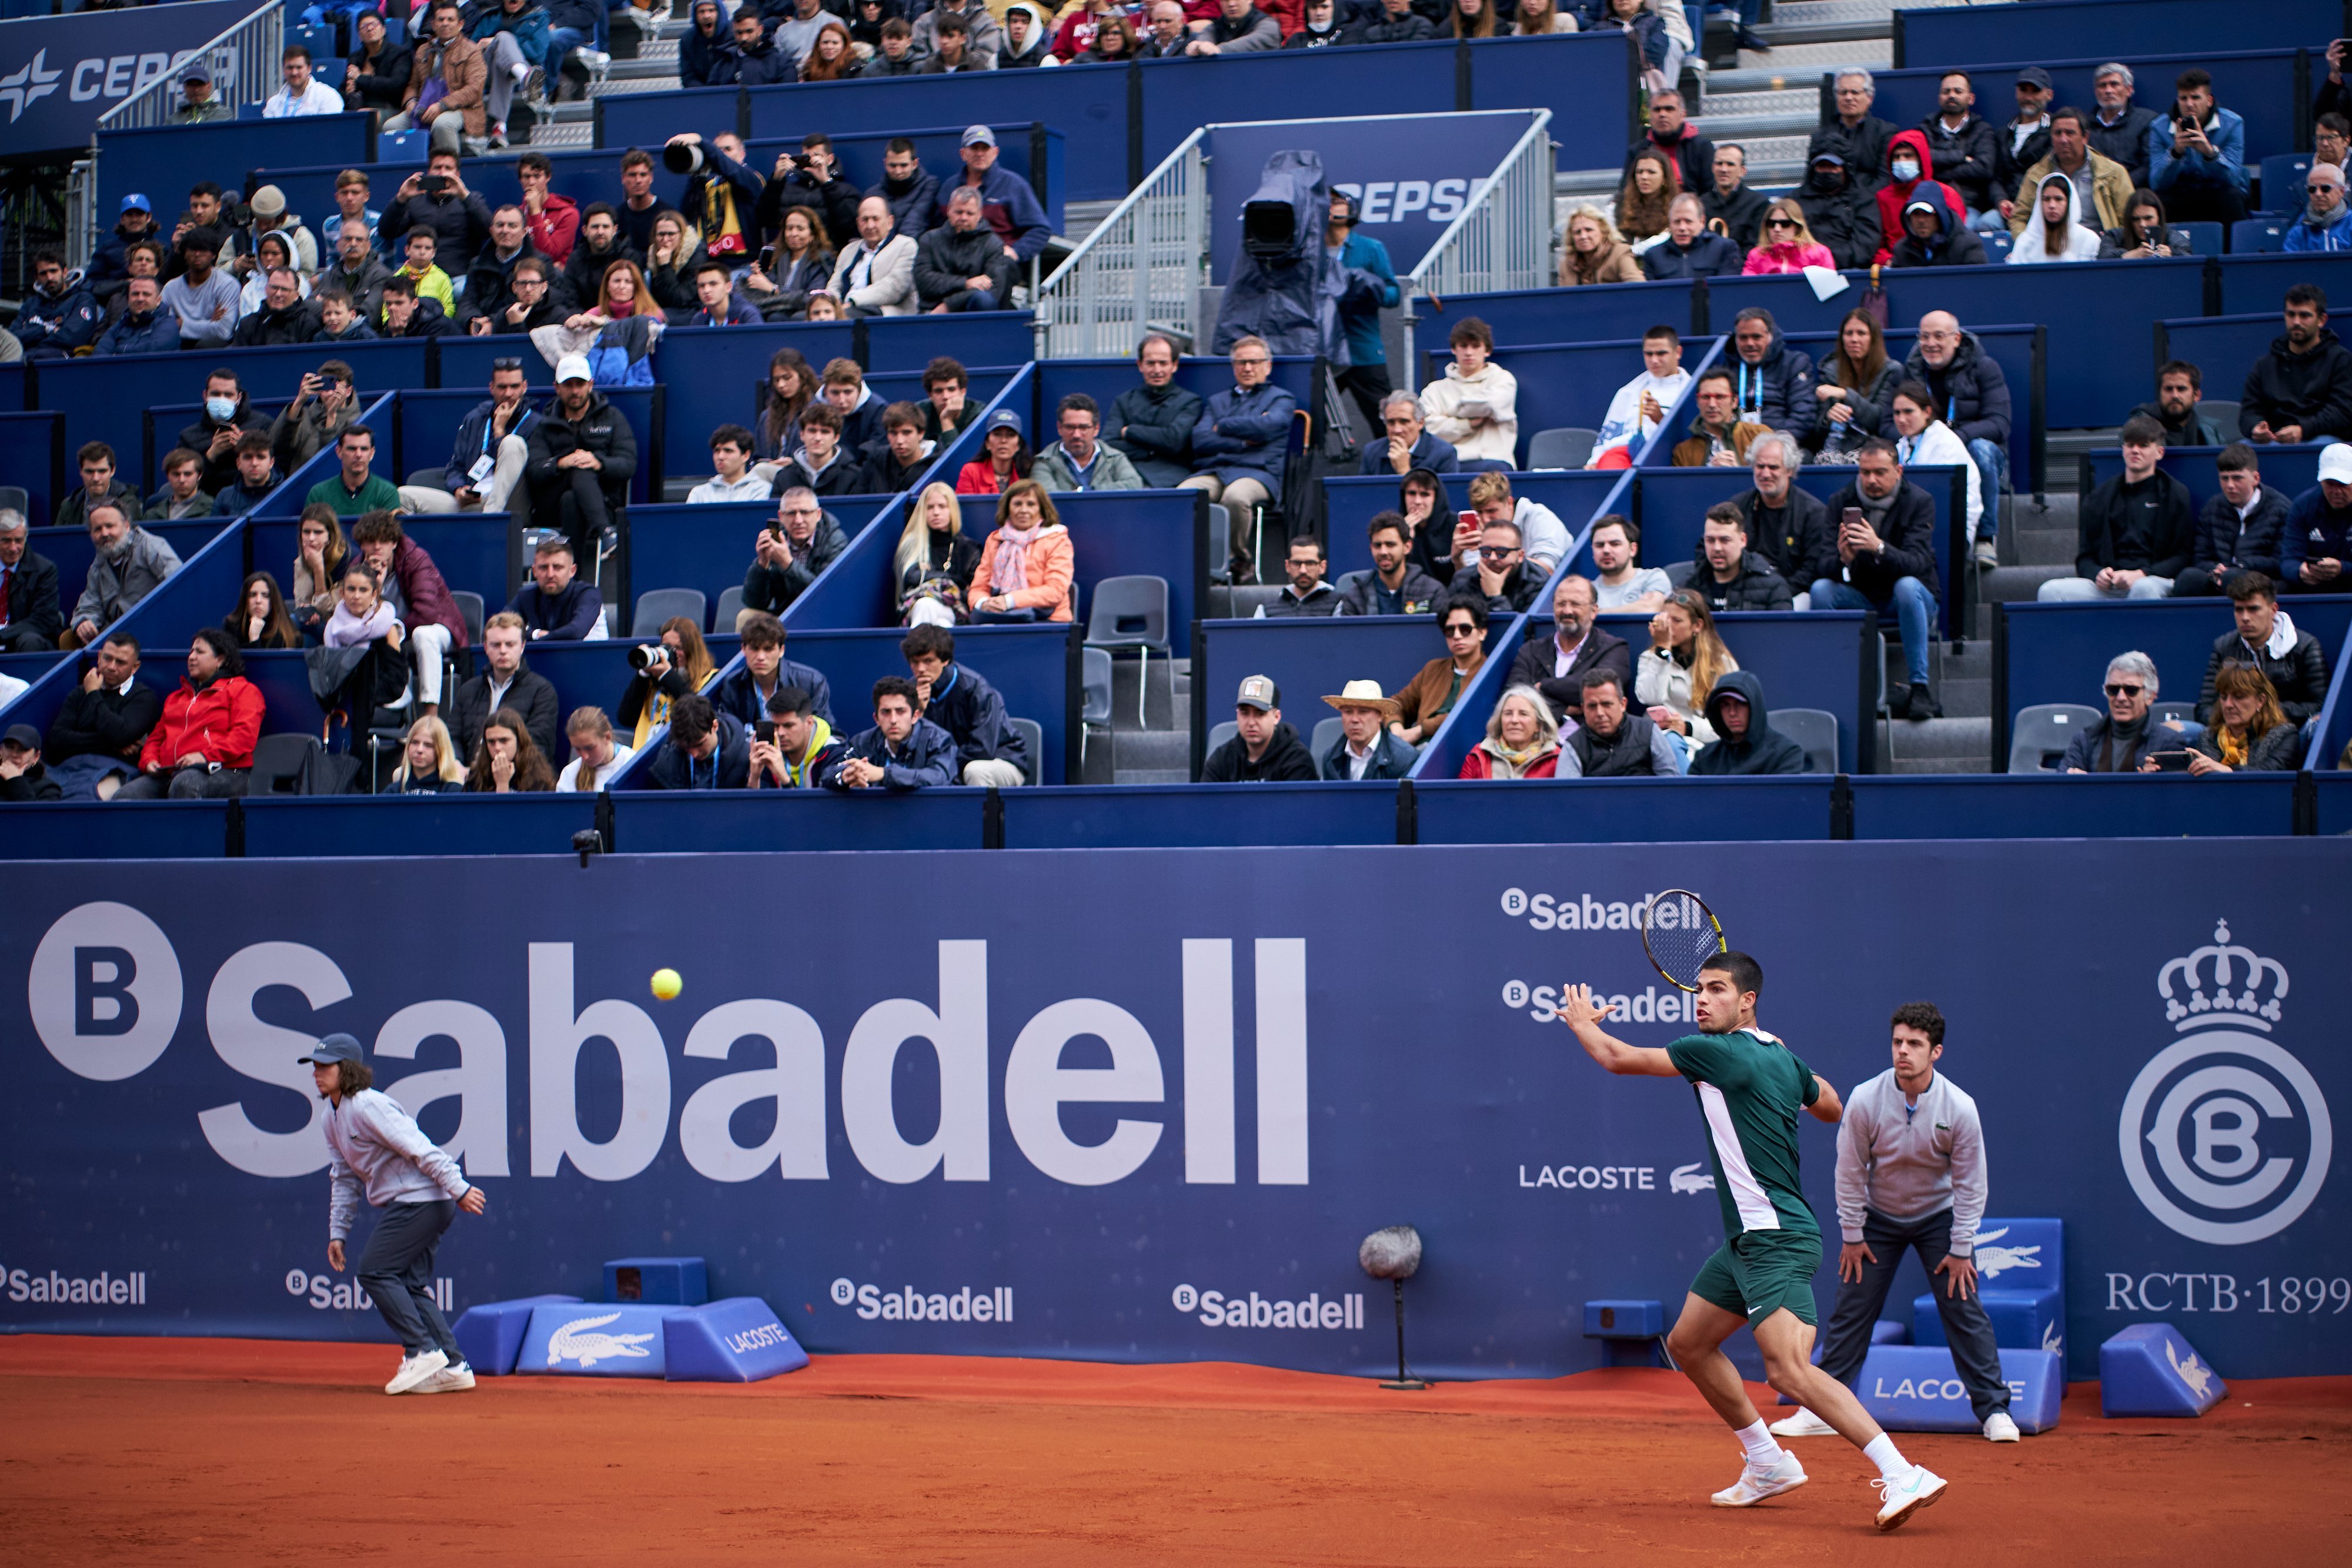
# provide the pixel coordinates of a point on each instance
(60, 73)
(1162, 1131)
(2074, 29)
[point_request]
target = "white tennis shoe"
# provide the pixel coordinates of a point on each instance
(1755, 1485)
(415, 1369)
(2000, 1429)
(1803, 1423)
(1906, 1495)
(448, 1380)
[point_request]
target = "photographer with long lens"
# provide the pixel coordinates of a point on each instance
(677, 666)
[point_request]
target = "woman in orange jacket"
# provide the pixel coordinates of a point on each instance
(1026, 566)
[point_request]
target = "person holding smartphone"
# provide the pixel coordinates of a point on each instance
(793, 744)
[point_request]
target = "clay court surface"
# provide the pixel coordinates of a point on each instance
(185, 1452)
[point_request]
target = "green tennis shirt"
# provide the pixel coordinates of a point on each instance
(1750, 1089)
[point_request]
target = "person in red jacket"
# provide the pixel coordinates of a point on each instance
(1907, 163)
(420, 598)
(201, 748)
(554, 220)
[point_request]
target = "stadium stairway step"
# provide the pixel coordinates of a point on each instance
(1936, 746)
(1153, 757)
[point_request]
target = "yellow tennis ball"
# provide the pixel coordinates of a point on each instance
(666, 985)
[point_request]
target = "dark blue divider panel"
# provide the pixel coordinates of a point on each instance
(1816, 659)
(2059, 653)
(1310, 660)
(283, 679)
(1126, 533)
(288, 827)
(1089, 107)
(104, 398)
(1141, 816)
(2290, 470)
(33, 454)
(711, 372)
(2258, 84)
(1620, 811)
(2222, 348)
(978, 337)
(71, 550)
(656, 822)
(2335, 801)
(2049, 806)
(1588, 85)
(163, 160)
(2326, 750)
(1029, 664)
(96, 830)
(2073, 29)
(1384, 78)
(2254, 283)
(13, 388)
(1562, 315)
(1790, 299)
(708, 545)
(650, 120)
(1352, 501)
(28, 667)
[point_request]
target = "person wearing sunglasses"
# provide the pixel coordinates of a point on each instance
(2120, 741)
(1431, 695)
(2326, 221)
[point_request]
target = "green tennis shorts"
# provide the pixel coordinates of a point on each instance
(1760, 1272)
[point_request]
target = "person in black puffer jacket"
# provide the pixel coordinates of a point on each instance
(1842, 216)
(2301, 390)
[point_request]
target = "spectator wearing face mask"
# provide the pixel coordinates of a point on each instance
(1906, 169)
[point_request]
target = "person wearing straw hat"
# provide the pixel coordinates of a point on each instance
(1365, 750)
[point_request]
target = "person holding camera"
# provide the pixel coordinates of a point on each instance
(323, 406)
(676, 667)
(791, 552)
(437, 199)
(793, 747)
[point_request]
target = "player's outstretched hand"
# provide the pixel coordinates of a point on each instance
(1579, 1007)
(335, 1256)
(475, 1201)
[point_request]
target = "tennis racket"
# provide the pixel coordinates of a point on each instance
(1681, 934)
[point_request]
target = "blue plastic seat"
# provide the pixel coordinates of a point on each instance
(2250, 237)
(2205, 237)
(2283, 175)
(1998, 244)
(403, 146)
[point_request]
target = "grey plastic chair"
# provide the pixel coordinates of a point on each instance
(1251, 600)
(1131, 613)
(1327, 736)
(1218, 735)
(1032, 737)
(1567, 446)
(1096, 708)
(2223, 413)
(2039, 735)
(282, 764)
(730, 605)
(469, 610)
(1680, 572)
(1815, 729)
(17, 498)
(663, 604)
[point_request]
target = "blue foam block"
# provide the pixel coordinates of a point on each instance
(1886, 1331)
(1625, 1320)
(1915, 1388)
(491, 1334)
(2026, 1320)
(2149, 1370)
(596, 1340)
(663, 1282)
(738, 1340)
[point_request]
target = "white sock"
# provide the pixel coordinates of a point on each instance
(1880, 1451)
(1763, 1449)
(521, 72)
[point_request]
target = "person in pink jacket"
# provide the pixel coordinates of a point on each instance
(1788, 246)
(1026, 566)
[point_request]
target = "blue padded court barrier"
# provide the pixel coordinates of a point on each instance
(2053, 806)
(595, 1339)
(657, 1281)
(2290, 470)
(28, 668)
(106, 399)
(738, 1340)
(2059, 653)
(684, 823)
(163, 160)
(1593, 810)
(1135, 816)
(1030, 665)
(2149, 1369)
(2256, 283)
(2334, 791)
(71, 551)
(1351, 501)
(1312, 659)
(490, 1334)
(1126, 533)
(2259, 85)
(976, 338)
(14, 387)
(2071, 29)
(295, 827)
(2222, 348)
(33, 455)
(100, 830)
(1916, 1388)
(662, 115)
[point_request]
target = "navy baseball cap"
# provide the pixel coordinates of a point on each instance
(332, 1048)
(22, 735)
(1003, 419)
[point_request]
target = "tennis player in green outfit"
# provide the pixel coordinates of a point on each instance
(1749, 1088)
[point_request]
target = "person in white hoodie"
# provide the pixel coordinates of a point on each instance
(2054, 232)
(374, 1145)
(1922, 438)
(1474, 409)
(1640, 404)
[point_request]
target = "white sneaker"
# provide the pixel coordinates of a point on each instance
(415, 1369)
(1803, 1423)
(2000, 1429)
(1906, 1495)
(1754, 1485)
(448, 1380)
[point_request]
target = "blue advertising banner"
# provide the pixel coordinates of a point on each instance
(58, 74)
(1414, 173)
(1146, 1103)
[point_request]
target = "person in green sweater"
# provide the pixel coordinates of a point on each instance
(355, 488)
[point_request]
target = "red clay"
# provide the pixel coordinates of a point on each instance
(250, 1451)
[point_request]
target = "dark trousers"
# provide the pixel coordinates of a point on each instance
(1366, 384)
(24, 637)
(1965, 1323)
(185, 784)
(573, 503)
(396, 1269)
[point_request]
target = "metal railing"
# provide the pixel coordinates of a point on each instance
(1141, 268)
(1502, 238)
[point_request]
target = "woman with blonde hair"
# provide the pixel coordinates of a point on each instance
(1786, 245)
(1026, 567)
(1594, 252)
(681, 665)
(1643, 202)
(428, 762)
(934, 562)
(1522, 739)
(1538, 18)
(1679, 668)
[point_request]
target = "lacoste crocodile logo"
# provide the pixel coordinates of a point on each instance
(572, 1342)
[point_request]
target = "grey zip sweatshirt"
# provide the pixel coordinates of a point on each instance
(1907, 1162)
(372, 1140)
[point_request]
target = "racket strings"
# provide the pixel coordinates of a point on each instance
(1681, 936)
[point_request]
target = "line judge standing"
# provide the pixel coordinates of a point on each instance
(1911, 1174)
